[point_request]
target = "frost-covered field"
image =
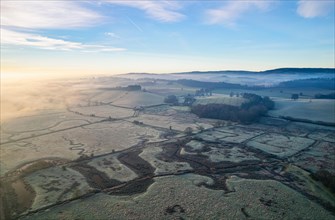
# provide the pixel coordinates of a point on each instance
(280, 145)
(231, 134)
(104, 111)
(320, 156)
(314, 109)
(133, 99)
(174, 197)
(56, 184)
(98, 139)
(114, 169)
(177, 122)
(219, 99)
(75, 149)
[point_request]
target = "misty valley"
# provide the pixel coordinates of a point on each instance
(191, 145)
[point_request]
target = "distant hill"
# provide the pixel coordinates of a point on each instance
(301, 70)
(273, 71)
(323, 83)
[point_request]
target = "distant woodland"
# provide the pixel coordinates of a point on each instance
(127, 88)
(248, 112)
(325, 96)
(212, 85)
(324, 83)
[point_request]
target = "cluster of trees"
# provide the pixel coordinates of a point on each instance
(171, 99)
(254, 100)
(294, 96)
(203, 92)
(127, 88)
(325, 96)
(248, 112)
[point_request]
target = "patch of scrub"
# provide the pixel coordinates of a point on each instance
(114, 169)
(186, 197)
(151, 154)
(280, 145)
(56, 184)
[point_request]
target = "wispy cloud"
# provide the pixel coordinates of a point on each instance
(47, 14)
(112, 35)
(9, 37)
(21, 19)
(231, 11)
(315, 8)
(164, 11)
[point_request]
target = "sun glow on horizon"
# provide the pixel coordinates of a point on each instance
(73, 38)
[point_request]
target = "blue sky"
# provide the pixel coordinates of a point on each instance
(111, 37)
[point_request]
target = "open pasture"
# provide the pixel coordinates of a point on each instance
(14, 155)
(104, 111)
(280, 145)
(320, 156)
(56, 184)
(219, 99)
(34, 125)
(94, 139)
(178, 122)
(323, 135)
(227, 154)
(238, 134)
(139, 98)
(233, 134)
(314, 110)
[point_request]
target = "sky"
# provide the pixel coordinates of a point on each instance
(60, 38)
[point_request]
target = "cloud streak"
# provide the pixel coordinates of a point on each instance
(47, 15)
(229, 13)
(164, 11)
(21, 19)
(9, 37)
(312, 9)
